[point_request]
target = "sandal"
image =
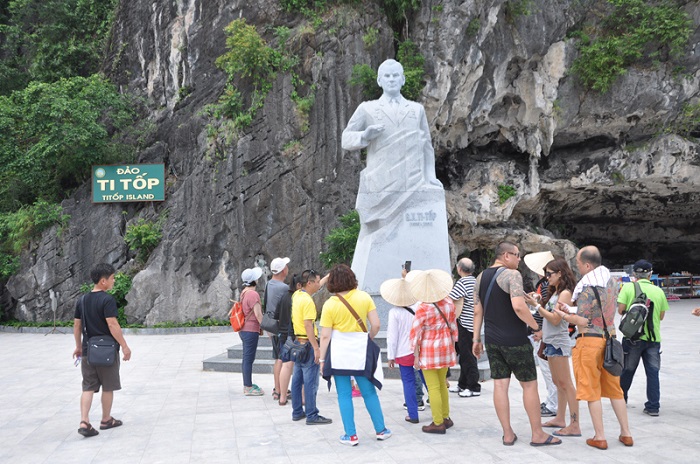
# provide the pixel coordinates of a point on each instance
(284, 403)
(88, 431)
(110, 423)
(275, 395)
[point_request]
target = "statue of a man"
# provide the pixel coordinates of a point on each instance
(398, 186)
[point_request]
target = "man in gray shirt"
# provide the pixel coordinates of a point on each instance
(274, 292)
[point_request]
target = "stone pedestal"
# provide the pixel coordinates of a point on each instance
(416, 232)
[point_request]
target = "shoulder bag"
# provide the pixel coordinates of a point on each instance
(360, 322)
(101, 349)
(446, 321)
(614, 359)
(269, 323)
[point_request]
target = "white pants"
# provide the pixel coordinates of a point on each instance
(551, 400)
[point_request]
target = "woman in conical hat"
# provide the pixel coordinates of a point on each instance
(433, 337)
(397, 292)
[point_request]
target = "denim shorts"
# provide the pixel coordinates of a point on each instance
(552, 351)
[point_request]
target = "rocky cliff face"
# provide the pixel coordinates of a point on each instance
(504, 111)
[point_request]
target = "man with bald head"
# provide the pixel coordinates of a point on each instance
(595, 297)
(463, 291)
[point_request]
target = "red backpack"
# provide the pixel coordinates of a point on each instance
(237, 317)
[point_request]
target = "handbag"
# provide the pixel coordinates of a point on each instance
(370, 343)
(270, 324)
(614, 357)
(294, 351)
(540, 351)
(101, 349)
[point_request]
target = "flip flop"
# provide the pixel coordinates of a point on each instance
(110, 423)
(88, 431)
(509, 443)
(559, 434)
(549, 424)
(549, 441)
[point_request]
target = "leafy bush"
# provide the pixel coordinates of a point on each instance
(143, 237)
(505, 192)
(45, 40)
(53, 133)
(17, 229)
(248, 58)
(636, 32)
(414, 69)
(342, 241)
(366, 78)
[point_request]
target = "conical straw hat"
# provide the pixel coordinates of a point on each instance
(431, 286)
(537, 261)
(397, 292)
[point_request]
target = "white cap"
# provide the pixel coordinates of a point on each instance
(278, 264)
(251, 275)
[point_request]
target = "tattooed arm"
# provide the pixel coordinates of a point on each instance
(512, 282)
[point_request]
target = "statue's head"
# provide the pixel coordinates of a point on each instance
(390, 77)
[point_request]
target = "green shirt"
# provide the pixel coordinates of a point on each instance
(656, 295)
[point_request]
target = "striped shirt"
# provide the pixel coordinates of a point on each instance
(464, 288)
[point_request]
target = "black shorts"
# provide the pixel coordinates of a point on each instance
(507, 360)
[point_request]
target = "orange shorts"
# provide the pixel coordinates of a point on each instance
(592, 381)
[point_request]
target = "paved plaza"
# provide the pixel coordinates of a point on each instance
(174, 412)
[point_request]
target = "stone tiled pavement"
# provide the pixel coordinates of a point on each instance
(176, 413)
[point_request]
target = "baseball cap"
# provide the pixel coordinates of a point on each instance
(278, 264)
(251, 275)
(642, 266)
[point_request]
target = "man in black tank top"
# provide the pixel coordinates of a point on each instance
(500, 304)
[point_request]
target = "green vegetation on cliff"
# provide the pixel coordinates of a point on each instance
(635, 33)
(46, 40)
(342, 240)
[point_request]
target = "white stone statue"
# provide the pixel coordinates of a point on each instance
(400, 200)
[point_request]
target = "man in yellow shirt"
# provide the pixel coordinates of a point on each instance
(306, 372)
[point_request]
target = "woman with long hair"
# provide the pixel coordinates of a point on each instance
(555, 336)
(345, 345)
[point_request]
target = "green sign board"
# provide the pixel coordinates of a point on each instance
(122, 184)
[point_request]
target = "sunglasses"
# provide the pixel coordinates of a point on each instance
(548, 274)
(517, 255)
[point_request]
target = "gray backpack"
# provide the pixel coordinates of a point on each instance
(632, 322)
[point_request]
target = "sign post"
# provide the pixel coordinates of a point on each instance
(127, 183)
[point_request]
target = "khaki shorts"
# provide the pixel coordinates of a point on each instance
(592, 381)
(106, 377)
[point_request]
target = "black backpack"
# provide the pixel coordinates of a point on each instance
(634, 319)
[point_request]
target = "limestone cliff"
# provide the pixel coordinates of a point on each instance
(504, 110)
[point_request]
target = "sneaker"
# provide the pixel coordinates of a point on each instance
(454, 389)
(546, 412)
(349, 440)
(426, 402)
(651, 413)
(320, 420)
(421, 406)
(298, 418)
(467, 393)
(384, 434)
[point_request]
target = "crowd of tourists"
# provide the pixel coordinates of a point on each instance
(433, 324)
